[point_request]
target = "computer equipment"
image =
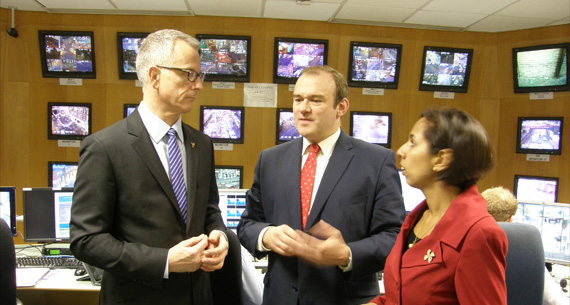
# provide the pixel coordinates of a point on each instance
(47, 212)
(232, 205)
(53, 262)
(8, 207)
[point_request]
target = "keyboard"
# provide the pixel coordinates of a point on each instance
(54, 262)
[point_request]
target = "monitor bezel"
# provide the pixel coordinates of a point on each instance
(292, 80)
(555, 88)
(228, 77)
(240, 140)
(521, 150)
(120, 35)
(549, 179)
(446, 88)
(278, 112)
(12, 193)
(373, 84)
(26, 213)
(126, 109)
(236, 167)
(52, 136)
(388, 114)
(62, 74)
(50, 169)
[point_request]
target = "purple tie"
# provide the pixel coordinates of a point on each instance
(176, 173)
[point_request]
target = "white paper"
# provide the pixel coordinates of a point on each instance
(260, 95)
(29, 277)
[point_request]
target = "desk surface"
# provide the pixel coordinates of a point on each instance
(62, 279)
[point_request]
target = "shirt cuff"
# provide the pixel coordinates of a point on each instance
(165, 275)
(259, 246)
(348, 266)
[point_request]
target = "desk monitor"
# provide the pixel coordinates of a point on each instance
(8, 207)
(412, 196)
(232, 205)
(286, 130)
(47, 214)
(61, 174)
(229, 177)
(552, 221)
(535, 188)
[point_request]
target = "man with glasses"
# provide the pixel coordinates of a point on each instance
(145, 204)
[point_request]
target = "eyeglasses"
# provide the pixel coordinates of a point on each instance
(191, 74)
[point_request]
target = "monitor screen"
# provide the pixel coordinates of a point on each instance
(445, 69)
(292, 55)
(8, 207)
(232, 205)
(229, 177)
(541, 68)
(372, 127)
(47, 212)
(128, 45)
(67, 54)
(539, 135)
(69, 121)
(551, 220)
(225, 58)
(224, 124)
(374, 65)
(412, 196)
(286, 130)
(128, 109)
(536, 189)
(61, 174)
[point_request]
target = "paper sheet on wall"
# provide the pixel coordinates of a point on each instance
(260, 95)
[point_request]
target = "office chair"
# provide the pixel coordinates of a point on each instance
(227, 287)
(525, 264)
(8, 266)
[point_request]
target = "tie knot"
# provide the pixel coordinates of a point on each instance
(314, 148)
(171, 133)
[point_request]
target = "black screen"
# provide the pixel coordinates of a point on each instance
(47, 212)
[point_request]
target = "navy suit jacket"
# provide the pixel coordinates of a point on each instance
(125, 216)
(360, 195)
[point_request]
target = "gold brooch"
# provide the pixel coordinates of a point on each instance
(429, 256)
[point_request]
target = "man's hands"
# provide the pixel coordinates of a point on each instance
(323, 245)
(199, 252)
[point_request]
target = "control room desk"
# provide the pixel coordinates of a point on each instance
(59, 286)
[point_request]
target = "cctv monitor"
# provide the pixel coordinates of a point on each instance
(292, 55)
(67, 54)
(128, 109)
(69, 121)
(229, 177)
(536, 188)
(128, 45)
(8, 207)
(445, 69)
(539, 135)
(225, 58)
(47, 212)
(374, 65)
(223, 124)
(372, 127)
(541, 68)
(286, 130)
(61, 174)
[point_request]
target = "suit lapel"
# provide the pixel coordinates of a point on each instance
(191, 170)
(338, 163)
(292, 170)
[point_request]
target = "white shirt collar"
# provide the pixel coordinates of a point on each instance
(156, 127)
(326, 145)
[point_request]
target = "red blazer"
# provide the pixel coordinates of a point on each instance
(467, 265)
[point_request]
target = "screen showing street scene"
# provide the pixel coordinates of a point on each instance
(130, 47)
(293, 57)
(68, 53)
(222, 123)
(371, 128)
(63, 175)
(69, 120)
(542, 68)
(223, 56)
(228, 178)
(374, 64)
(445, 68)
(540, 134)
(287, 129)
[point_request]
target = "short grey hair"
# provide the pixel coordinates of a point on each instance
(501, 203)
(157, 49)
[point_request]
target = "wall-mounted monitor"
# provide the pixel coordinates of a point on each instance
(541, 68)
(67, 54)
(445, 69)
(69, 121)
(551, 220)
(128, 45)
(286, 130)
(8, 207)
(412, 196)
(374, 65)
(225, 58)
(224, 124)
(536, 189)
(292, 55)
(61, 174)
(47, 212)
(539, 135)
(372, 127)
(232, 205)
(229, 177)
(128, 109)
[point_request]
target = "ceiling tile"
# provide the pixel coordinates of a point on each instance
(376, 14)
(495, 24)
(411, 4)
(290, 10)
(241, 8)
(149, 5)
(444, 19)
(22, 5)
(77, 5)
(545, 9)
(468, 6)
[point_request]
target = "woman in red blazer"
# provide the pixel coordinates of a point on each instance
(449, 250)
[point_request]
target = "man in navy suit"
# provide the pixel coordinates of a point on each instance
(355, 211)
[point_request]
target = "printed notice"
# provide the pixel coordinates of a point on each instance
(260, 95)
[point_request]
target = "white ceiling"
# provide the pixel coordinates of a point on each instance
(455, 15)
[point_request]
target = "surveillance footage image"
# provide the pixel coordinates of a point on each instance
(374, 64)
(540, 134)
(445, 68)
(69, 120)
(220, 123)
(223, 56)
(68, 53)
(294, 57)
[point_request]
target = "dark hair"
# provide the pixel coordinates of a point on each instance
(458, 130)
(341, 87)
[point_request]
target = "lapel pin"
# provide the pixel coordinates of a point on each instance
(192, 144)
(429, 256)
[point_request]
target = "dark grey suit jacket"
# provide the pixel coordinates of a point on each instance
(125, 217)
(360, 194)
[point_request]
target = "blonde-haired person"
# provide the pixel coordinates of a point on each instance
(502, 205)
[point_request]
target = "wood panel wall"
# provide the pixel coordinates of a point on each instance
(24, 93)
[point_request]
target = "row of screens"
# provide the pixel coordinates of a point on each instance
(373, 65)
(225, 124)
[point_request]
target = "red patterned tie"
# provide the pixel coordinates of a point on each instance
(307, 180)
